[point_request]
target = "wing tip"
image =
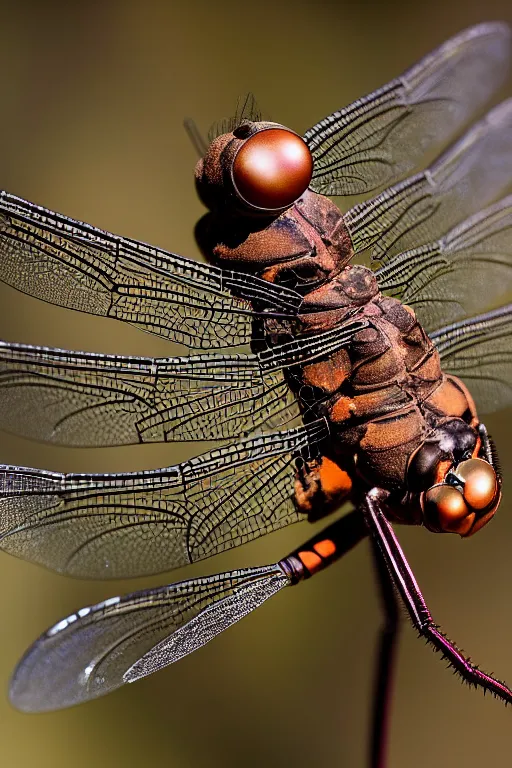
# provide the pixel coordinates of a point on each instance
(494, 28)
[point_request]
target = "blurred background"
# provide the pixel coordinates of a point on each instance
(93, 99)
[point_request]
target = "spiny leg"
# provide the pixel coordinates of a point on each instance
(390, 553)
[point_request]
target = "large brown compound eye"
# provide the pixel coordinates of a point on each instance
(445, 510)
(480, 482)
(465, 502)
(272, 169)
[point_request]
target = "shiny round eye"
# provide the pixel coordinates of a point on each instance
(272, 169)
(480, 482)
(446, 510)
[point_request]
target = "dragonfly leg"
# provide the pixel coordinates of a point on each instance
(389, 552)
(385, 666)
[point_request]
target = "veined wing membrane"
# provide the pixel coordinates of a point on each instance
(479, 351)
(131, 524)
(75, 265)
(464, 272)
(86, 399)
(471, 174)
(99, 648)
(379, 138)
(79, 398)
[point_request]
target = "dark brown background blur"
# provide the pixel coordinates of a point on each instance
(92, 101)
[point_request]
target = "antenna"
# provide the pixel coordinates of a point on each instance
(195, 137)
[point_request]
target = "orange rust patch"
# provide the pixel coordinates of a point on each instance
(330, 374)
(333, 479)
(325, 548)
(343, 409)
(310, 560)
(269, 274)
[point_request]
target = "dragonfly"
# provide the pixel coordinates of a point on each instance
(323, 381)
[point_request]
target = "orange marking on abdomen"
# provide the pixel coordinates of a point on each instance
(325, 548)
(311, 561)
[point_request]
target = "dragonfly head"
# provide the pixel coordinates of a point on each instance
(258, 169)
(455, 473)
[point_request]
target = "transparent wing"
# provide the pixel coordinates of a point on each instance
(467, 270)
(379, 138)
(99, 648)
(83, 399)
(79, 398)
(131, 524)
(74, 265)
(474, 172)
(479, 351)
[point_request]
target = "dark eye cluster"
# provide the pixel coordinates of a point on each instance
(423, 466)
(450, 444)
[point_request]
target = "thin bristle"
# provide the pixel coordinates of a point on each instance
(495, 458)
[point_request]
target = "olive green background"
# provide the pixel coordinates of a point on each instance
(92, 101)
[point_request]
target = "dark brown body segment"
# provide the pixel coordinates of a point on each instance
(308, 240)
(385, 392)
